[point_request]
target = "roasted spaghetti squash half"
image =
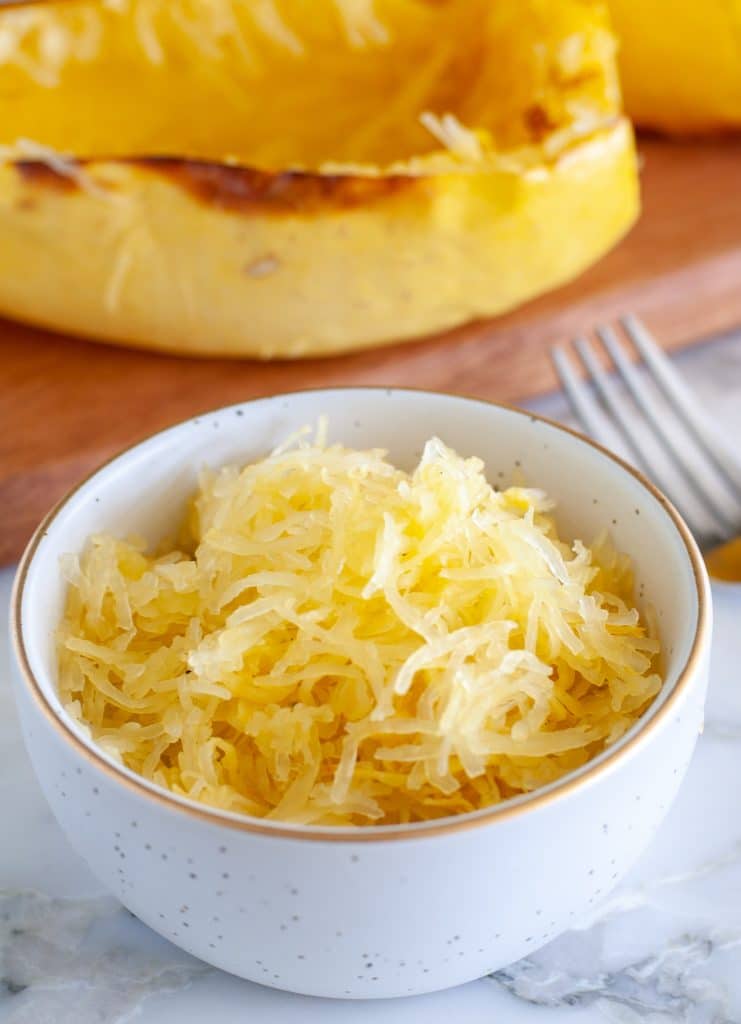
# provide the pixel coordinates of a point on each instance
(680, 63)
(280, 178)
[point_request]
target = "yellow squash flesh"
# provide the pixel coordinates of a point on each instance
(289, 178)
(680, 63)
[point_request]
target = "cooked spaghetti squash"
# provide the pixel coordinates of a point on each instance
(680, 63)
(336, 641)
(282, 178)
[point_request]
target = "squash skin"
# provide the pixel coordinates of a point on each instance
(680, 64)
(167, 238)
(156, 264)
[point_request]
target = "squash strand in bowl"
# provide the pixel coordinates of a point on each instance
(337, 641)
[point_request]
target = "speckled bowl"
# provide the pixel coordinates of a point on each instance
(372, 911)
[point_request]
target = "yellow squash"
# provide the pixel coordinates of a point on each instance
(680, 63)
(288, 177)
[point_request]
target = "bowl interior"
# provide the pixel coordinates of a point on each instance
(144, 490)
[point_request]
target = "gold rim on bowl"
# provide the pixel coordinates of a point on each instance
(505, 810)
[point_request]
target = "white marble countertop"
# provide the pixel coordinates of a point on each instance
(665, 946)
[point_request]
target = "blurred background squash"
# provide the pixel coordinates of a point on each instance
(294, 177)
(680, 63)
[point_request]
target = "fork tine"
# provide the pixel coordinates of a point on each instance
(607, 391)
(684, 402)
(583, 403)
(646, 403)
(584, 406)
(605, 388)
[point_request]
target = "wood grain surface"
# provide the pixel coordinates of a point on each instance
(67, 405)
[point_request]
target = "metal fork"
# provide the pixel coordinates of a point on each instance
(655, 418)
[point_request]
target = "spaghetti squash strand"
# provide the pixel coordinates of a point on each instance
(338, 641)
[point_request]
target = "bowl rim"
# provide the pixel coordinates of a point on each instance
(507, 809)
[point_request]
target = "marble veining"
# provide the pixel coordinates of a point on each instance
(664, 947)
(668, 984)
(674, 981)
(71, 961)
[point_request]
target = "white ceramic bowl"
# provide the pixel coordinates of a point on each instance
(372, 911)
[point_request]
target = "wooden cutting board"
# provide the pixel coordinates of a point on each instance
(67, 405)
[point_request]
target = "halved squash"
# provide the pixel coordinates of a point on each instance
(680, 63)
(288, 177)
